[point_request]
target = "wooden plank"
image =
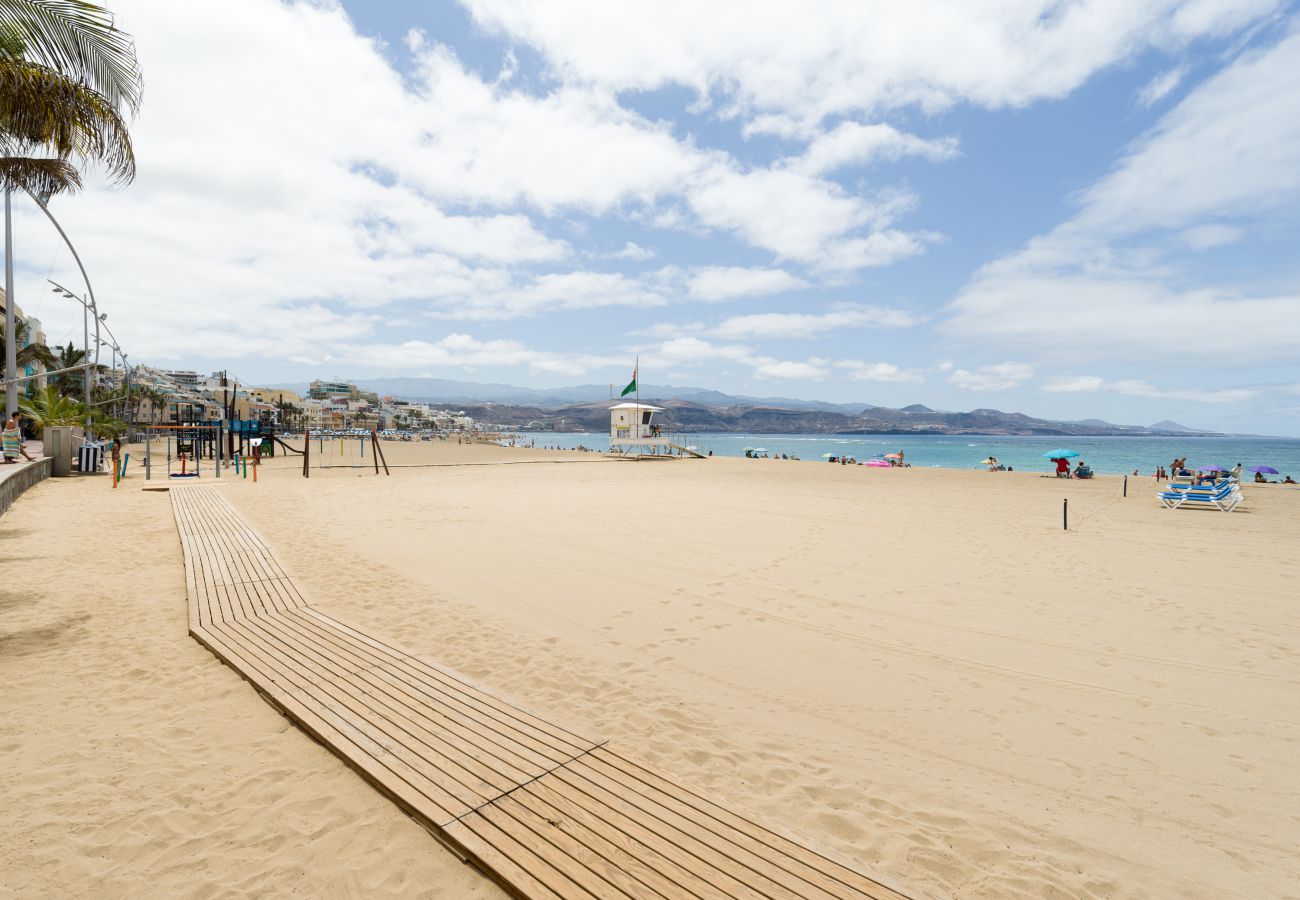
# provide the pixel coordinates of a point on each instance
(439, 777)
(566, 742)
(446, 715)
(483, 840)
(561, 850)
(518, 875)
(409, 724)
(694, 863)
(488, 746)
(358, 755)
(336, 730)
(657, 872)
(682, 838)
(833, 876)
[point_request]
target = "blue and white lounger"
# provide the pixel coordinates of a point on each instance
(1224, 499)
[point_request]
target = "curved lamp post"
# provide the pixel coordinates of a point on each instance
(11, 371)
(88, 311)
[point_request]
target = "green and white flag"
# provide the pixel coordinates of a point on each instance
(631, 385)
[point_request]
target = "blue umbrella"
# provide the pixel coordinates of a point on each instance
(1211, 468)
(1264, 470)
(1060, 453)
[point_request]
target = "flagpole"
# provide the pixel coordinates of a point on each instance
(636, 373)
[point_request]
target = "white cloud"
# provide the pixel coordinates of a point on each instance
(633, 251)
(1137, 388)
(713, 283)
(850, 57)
(1108, 282)
(1072, 384)
(839, 317)
(693, 351)
(790, 370)
(467, 352)
(999, 377)
(1160, 87)
(852, 143)
(880, 371)
(532, 295)
(1206, 237)
(1229, 148)
(804, 325)
(802, 218)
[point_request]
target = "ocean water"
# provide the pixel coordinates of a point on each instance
(1106, 455)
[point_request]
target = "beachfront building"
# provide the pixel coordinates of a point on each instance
(632, 429)
(340, 390)
(29, 332)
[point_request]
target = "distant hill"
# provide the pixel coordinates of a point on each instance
(693, 409)
(1174, 428)
(443, 390)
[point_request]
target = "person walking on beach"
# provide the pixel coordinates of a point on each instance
(13, 439)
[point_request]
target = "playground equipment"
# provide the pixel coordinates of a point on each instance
(193, 441)
(243, 433)
(371, 437)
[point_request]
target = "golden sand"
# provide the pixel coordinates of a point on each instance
(915, 668)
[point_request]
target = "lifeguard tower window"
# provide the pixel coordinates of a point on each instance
(645, 418)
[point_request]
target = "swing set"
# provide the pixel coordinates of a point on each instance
(187, 445)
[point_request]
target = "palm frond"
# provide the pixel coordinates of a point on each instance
(50, 407)
(40, 176)
(80, 40)
(39, 106)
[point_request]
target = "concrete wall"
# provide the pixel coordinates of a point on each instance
(24, 476)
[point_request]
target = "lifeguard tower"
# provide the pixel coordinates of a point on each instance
(633, 432)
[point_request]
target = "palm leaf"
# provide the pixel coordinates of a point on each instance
(40, 107)
(80, 40)
(49, 407)
(42, 177)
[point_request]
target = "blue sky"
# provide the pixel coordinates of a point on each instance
(1067, 209)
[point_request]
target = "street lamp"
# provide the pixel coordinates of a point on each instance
(88, 309)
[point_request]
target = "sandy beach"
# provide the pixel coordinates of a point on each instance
(916, 669)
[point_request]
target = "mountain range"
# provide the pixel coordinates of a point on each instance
(691, 409)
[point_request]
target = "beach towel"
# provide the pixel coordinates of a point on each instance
(13, 442)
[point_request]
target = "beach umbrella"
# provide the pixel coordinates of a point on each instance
(828, 456)
(1211, 468)
(760, 449)
(987, 462)
(892, 456)
(1060, 453)
(1263, 470)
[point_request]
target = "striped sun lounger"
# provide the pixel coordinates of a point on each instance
(1223, 498)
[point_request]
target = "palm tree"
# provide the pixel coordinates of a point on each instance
(66, 358)
(32, 354)
(66, 75)
(49, 407)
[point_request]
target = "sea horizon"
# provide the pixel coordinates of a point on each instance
(1105, 454)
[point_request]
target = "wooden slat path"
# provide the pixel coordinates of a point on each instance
(544, 811)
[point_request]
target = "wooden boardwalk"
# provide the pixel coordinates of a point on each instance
(544, 811)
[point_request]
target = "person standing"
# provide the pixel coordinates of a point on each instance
(13, 439)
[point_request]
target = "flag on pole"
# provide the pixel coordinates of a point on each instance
(631, 385)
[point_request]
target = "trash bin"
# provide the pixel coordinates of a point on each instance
(90, 458)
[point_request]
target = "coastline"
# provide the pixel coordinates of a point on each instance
(1108, 455)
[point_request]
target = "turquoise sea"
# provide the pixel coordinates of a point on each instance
(1106, 455)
